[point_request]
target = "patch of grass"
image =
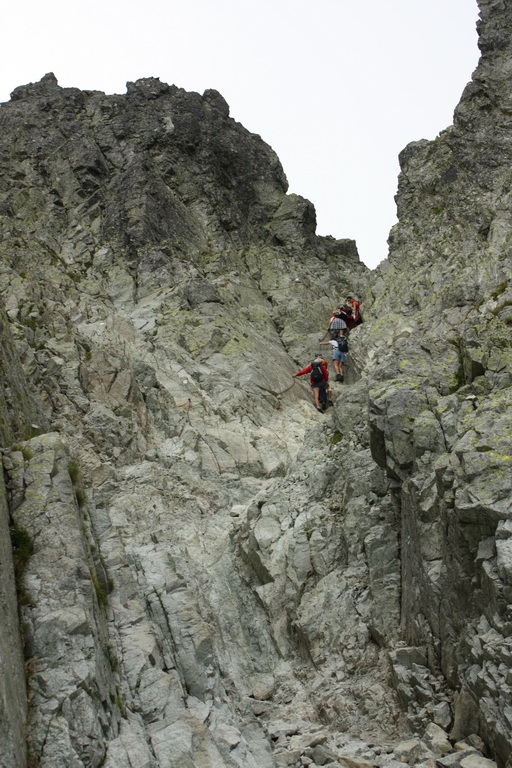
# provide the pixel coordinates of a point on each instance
(500, 307)
(33, 431)
(118, 700)
(494, 294)
(22, 550)
(501, 288)
(25, 451)
(459, 380)
(336, 438)
(74, 471)
(81, 497)
(101, 595)
(76, 478)
(30, 322)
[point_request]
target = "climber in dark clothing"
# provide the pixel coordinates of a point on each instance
(346, 313)
(319, 380)
(337, 323)
(339, 347)
(356, 310)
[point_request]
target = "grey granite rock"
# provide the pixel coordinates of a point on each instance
(222, 576)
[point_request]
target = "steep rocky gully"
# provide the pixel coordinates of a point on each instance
(209, 572)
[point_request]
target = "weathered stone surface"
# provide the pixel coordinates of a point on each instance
(454, 758)
(437, 740)
(476, 761)
(353, 762)
(23, 417)
(13, 703)
(154, 305)
(70, 677)
(438, 361)
(222, 576)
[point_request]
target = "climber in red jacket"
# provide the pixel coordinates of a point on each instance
(319, 380)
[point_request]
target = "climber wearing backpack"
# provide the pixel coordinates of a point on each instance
(356, 310)
(319, 380)
(346, 313)
(339, 349)
(336, 323)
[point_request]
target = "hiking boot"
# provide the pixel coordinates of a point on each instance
(338, 377)
(341, 378)
(319, 408)
(330, 402)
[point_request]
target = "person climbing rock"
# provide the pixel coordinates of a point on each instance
(336, 324)
(346, 314)
(356, 310)
(339, 349)
(319, 380)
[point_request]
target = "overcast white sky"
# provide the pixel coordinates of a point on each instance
(336, 87)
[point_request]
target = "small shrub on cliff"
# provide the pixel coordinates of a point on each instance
(25, 451)
(501, 307)
(22, 549)
(501, 288)
(100, 592)
(81, 497)
(74, 474)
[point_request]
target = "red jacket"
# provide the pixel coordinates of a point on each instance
(309, 368)
(356, 307)
(348, 318)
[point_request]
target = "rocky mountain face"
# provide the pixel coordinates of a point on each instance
(439, 364)
(208, 571)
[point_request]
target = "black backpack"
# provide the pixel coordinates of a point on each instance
(342, 343)
(317, 374)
